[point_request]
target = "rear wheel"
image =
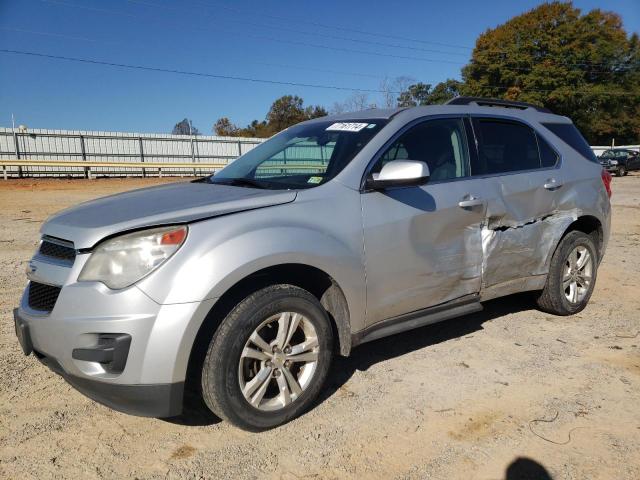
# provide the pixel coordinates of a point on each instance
(268, 360)
(572, 275)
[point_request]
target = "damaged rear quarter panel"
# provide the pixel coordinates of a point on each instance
(519, 218)
(521, 232)
(512, 252)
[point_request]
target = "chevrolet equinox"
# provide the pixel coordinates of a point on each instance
(335, 232)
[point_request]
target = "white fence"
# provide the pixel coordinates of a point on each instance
(207, 154)
(118, 148)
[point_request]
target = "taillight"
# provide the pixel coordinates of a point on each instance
(606, 179)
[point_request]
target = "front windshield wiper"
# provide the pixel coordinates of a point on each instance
(239, 182)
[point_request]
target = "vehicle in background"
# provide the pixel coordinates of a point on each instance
(337, 231)
(620, 161)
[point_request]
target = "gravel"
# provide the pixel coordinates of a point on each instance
(507, 389)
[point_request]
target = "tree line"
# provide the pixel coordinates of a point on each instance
(584, 66)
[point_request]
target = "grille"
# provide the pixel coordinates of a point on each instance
(56, 250)
(42, 297)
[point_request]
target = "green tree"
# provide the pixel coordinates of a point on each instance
(414, 95)
(315, 112)
(444, 91)
(289, 110)
(423, 94)
(584, 66)
(225, 128)
(284, 112)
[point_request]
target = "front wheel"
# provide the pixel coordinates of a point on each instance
(572, 275)
(268, 360)
(622, 171)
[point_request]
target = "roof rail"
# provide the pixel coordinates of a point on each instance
(494, 102)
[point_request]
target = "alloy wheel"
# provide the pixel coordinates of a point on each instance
(578, 273)
(278, 361)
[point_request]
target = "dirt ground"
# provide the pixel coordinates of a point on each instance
(509, 392)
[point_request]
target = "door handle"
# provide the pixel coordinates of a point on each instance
(470, 201)
(552, 184)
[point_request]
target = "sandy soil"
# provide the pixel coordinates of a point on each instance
(488, 396)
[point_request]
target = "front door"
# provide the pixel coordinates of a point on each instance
(422, 246)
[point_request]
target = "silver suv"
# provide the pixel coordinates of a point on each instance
(335, 232)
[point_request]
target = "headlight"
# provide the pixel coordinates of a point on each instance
(613, 162)
(121, 261)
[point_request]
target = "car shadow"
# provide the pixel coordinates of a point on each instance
(196, 413)
(363, 357)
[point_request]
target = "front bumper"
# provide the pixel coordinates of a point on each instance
(151, 366)
(610, 168)
(157, 400)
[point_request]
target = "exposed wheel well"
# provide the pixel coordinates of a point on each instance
(592, 227)
(312, 279)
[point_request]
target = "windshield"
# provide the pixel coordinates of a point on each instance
(302, 156)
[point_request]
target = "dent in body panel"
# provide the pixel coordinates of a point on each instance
(449, 257)
(522, 250)
(457, 262)
(522, 228)
(421, 248)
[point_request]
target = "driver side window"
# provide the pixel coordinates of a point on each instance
(441, 144)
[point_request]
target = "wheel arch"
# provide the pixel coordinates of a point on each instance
(591, 226)
(587, 224)
(316, 281)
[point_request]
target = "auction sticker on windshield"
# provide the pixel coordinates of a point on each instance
(346, 127)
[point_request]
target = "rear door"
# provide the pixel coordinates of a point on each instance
(522, 181)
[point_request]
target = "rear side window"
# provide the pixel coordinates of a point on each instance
(572, 137)
(548, 156)
(504, 147)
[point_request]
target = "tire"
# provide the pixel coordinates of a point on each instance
(553, 298)
(621, 172)
(228, 369)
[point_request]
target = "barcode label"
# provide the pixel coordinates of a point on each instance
(346, 127)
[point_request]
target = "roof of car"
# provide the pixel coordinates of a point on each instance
(370, 114)
(471, 106)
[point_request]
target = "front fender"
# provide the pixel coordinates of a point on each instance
(220, 252)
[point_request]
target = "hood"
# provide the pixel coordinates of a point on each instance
(88, 223)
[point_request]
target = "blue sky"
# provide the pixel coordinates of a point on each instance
(257, 39)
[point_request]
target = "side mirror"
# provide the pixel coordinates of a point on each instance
(400, 173)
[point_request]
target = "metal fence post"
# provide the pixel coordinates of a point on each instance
(193, 154)
(284, 160)
(144, 172)
(17, 148)
(84, 156)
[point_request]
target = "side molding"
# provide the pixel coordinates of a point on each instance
(420, 318)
